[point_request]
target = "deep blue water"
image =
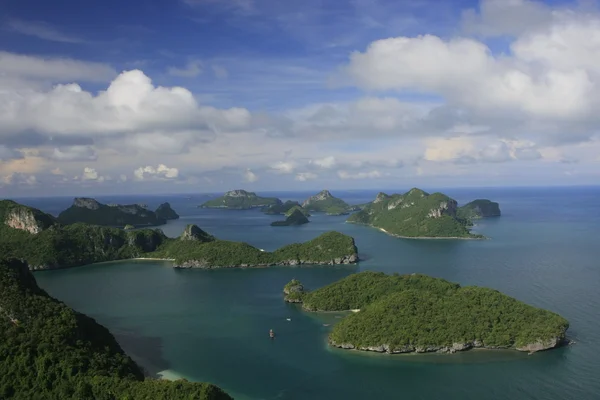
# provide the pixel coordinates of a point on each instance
(213, 325)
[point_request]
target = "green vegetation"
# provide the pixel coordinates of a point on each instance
(165, 211)
(51, 352)
(293, 291)
(325, 202)
(283, 208)
(415, 214)
(241, 200)
(403, 313)
(296, 218)
(297, 208)
(328, 248)
(480, 208)
(90, 211)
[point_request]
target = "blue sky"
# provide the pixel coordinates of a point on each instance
(209, 95)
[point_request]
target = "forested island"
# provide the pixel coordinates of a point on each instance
(52, 352)
(282, 208)
(480, 208)
(418, 214)
(325, 202)
(418, 313)
(241, 200)
(38, 239)
(297, 217)
(90, 211)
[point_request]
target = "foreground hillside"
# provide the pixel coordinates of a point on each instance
(35, 237)
(415, 214)
(49, 351)
(418, 313)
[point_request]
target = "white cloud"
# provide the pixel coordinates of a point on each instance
(41, 30)
(90, 174)
(131, 104)
(123, 178)
(191, 70)
(250, 176)
(284, 167)
(326, 162)
(160, 172)
(359, 175)
(305, 176)
(52, 68)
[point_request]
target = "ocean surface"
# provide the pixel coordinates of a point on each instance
(213, 325)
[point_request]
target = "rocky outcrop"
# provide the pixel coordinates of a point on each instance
(204, 264)
(165, 211)
(193, 232)
(445, 208)
(322, 195)
(239, 193)
(293, 291)
(86, 202)
(28, 220)
(454, 348)
(380, 197)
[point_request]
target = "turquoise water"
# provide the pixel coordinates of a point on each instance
(213, 325)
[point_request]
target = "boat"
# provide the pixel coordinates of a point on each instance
(271, 334)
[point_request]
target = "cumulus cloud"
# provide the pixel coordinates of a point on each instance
(19, 179)
(160, 172)
(326, 162)
(131, 105)
(74, 153)
(250, 176)
(90, 174)
(284, 167)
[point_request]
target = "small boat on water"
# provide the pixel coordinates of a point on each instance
(271, 334)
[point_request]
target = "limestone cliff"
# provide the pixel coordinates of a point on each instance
(24, 218)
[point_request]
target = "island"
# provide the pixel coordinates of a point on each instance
(241, 200)
(325, 202)
(480, 208)
(49, 351)
(416, 214)
(165, 211)
(90, 211)
(42, 242)
(418, 313)
(297, 208)
(297, 217)
(283, 208)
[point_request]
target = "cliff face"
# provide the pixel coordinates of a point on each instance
(24, 218)
(194, 233)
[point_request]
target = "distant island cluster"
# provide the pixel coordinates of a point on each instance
(391, 313)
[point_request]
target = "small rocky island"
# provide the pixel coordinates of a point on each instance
(41, 338)
(241, 200)
(325, 202)
(480, 208)
(38, 239)
(90, 211)
(418, 214)
(296, 218)
(418, 313)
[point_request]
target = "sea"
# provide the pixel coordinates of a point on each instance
(213, 325)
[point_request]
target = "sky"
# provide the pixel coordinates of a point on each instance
(184, 96)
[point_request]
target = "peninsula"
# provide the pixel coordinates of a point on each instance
(418, 313)
(37, 238)
(416, 214)
(241, 200)
(90, 211)
(49, 351)
(325, 202)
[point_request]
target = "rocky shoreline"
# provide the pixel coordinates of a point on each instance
(201, 264)
(456, 347)
(419, 237)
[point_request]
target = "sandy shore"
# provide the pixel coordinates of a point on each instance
(170, 375)
(152, 259)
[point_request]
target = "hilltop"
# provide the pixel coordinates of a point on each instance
(480, 208)
(241, 200)
(325, 202)
(418, 313)
(415, 214)
(90, 211)
(50, 351)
